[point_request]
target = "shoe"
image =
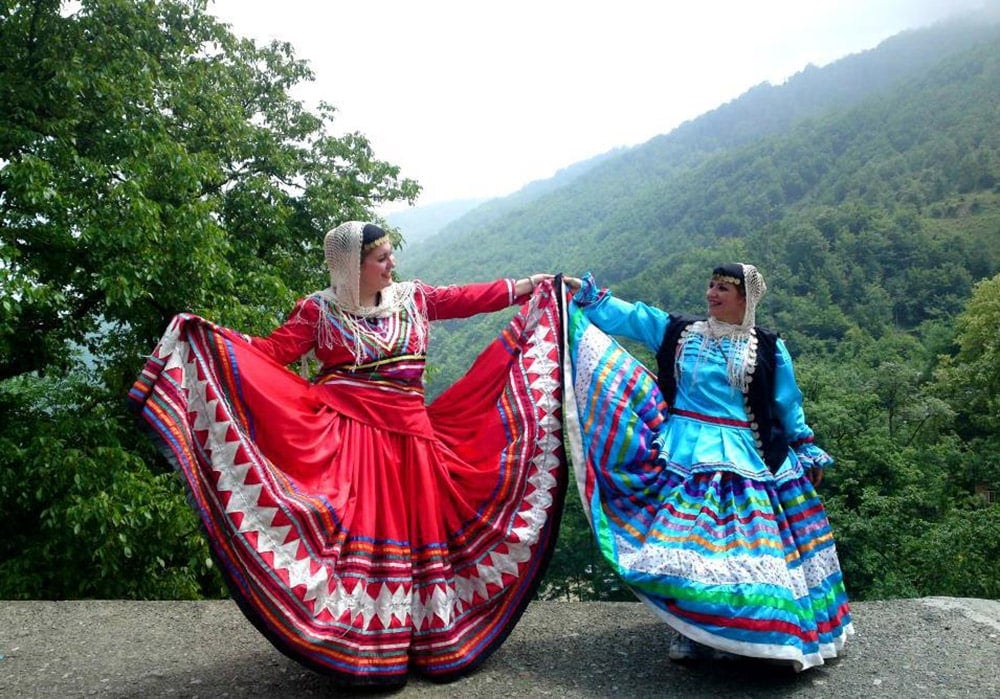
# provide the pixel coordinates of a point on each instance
(683, 648)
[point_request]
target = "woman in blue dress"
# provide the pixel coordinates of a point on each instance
(699, 480)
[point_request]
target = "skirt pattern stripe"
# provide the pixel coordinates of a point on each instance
(738, 561)
(380, 553)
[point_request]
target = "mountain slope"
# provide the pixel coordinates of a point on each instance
(837, 183)
(655, 191)
(422, 222)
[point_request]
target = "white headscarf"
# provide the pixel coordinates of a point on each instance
(342, 248)
(754, 286)
(741, 359)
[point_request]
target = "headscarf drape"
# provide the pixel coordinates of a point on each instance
(741, 357)
(342, 248)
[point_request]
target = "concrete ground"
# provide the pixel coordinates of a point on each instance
(932, 647)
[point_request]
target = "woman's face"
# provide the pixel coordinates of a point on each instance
(376, 269)
(725, 301)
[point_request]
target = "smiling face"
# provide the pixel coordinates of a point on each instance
(376, 272)
(726, 301)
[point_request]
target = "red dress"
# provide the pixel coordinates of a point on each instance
(363, 533)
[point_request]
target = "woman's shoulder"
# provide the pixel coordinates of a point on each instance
(685, 318)
(315, 300)
(772, 344)
(761, 330)
(406, 290)
(313, 306)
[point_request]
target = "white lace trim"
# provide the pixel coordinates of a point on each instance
(666, 560)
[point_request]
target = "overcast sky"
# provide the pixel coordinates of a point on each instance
(475, 99)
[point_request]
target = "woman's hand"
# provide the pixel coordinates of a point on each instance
(572, 283)
(523, 287)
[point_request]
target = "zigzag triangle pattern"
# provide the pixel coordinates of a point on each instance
(363, 609)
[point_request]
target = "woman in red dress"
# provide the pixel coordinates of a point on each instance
(366, 534)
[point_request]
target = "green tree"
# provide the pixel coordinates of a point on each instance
(973, 374)
(151, 162)
(970, 382)
(84, 516)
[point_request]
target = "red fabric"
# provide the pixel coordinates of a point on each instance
(361, 532)
(297, 335)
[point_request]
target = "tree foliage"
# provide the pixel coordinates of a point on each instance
(151, 162)
(876, 221)
(144, 144)
(86, 517)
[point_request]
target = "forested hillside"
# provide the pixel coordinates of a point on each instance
(877, 211)
(422, 222)
(868, 192)
(644, 192)
(152, 163)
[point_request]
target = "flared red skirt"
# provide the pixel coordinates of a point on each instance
(366, 535)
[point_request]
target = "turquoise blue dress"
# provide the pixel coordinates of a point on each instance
(683, 506)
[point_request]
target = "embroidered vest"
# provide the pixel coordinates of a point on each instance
(768, 433)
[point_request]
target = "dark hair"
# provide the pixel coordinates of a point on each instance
(370, 233)
(372, 237)
(730, 271)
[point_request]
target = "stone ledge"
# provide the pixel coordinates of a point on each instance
(940, 646)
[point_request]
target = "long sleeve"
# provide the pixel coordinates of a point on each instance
(636, 321)
(462, 301)
(788, 399)
(295, 337)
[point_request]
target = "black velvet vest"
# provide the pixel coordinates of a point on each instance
(768, 433)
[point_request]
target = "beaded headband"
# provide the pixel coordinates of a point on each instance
(727, 279)
(731, 273)
(372, 236)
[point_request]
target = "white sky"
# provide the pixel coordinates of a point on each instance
(475, 99)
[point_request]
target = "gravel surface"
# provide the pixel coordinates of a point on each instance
(932, 647)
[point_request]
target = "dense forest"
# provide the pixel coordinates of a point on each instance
(869, 194)
(151, 162)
